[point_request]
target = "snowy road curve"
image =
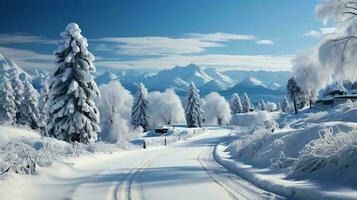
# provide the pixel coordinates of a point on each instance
(183, 171)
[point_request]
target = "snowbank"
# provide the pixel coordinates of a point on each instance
(22, 150)
(311, 155)
(255, 118)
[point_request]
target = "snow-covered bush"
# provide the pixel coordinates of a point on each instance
(114, 106)
(249, 146)
(252, 118)
(330, 151)
(165, 108)
(23, 156)
(216, 109)
(271, 106)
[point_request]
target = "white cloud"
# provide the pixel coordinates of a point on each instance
(27, 59)
(155, 45)
(21, 38)
(312, 33)
(219, 37)
(265, 42)
(248, 62)
(321, 32)
(150, 46)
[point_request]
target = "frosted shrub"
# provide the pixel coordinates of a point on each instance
(249, 146)
(330, 151)
(19, 157)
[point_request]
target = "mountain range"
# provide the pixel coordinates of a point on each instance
(268, 85)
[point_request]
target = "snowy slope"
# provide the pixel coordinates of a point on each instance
(105, 78)
(210, 86)
(184, 170)
(256, 90)
(219, 77)
(281, 162)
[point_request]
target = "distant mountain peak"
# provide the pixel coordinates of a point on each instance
(252, 81)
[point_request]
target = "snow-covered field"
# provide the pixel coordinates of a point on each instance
(183, 170)
(310, 156)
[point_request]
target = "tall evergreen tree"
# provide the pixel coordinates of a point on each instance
(7, 99)
(18, 87)
(139, 112)
(73, 115)
(235, 104)
(263, 105)
(43, 103)
(29, 113)
(294, 92)
(246, 103)
(285, 105)
(193, 109)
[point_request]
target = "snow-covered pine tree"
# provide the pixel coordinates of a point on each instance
(263, 105)
(193, 111)
(73, 115)
(235, 104)
(7, 99)
(139, 112)
(259, 106)
(43, 103)
(18, 87)
(285, 105)
(29, 113)
(246, 103)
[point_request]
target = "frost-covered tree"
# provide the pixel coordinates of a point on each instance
(7, 99)
(18, 87)
(139, 112)
(235, 104)
(193, 110)
(294, 92)
(114, 106)
(29, 113)
(259, 106)
(73, 115)
(43, 103)
(246, 103)
(285, 105)
(165, 108)
(216, 109)
(263, 105)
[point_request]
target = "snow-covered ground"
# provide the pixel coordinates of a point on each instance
(310, 156)
(183, 170)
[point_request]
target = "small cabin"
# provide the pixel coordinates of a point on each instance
(337, 99)
(161, 129)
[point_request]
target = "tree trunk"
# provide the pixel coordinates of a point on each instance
(310, 104)
(295, 107)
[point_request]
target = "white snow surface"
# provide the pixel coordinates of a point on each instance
(183, 170)
(305, 156)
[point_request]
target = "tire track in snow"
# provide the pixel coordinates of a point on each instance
(129, 189)
(235, 186)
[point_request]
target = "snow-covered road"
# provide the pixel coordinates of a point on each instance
(185, 170)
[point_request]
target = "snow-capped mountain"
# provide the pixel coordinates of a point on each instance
(267, 77)
(105, 78)
(206, 79)
(178, 77)
(256, 90)
(219, 77)
(210, 86)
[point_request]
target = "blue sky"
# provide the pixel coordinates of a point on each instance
(155, 34)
